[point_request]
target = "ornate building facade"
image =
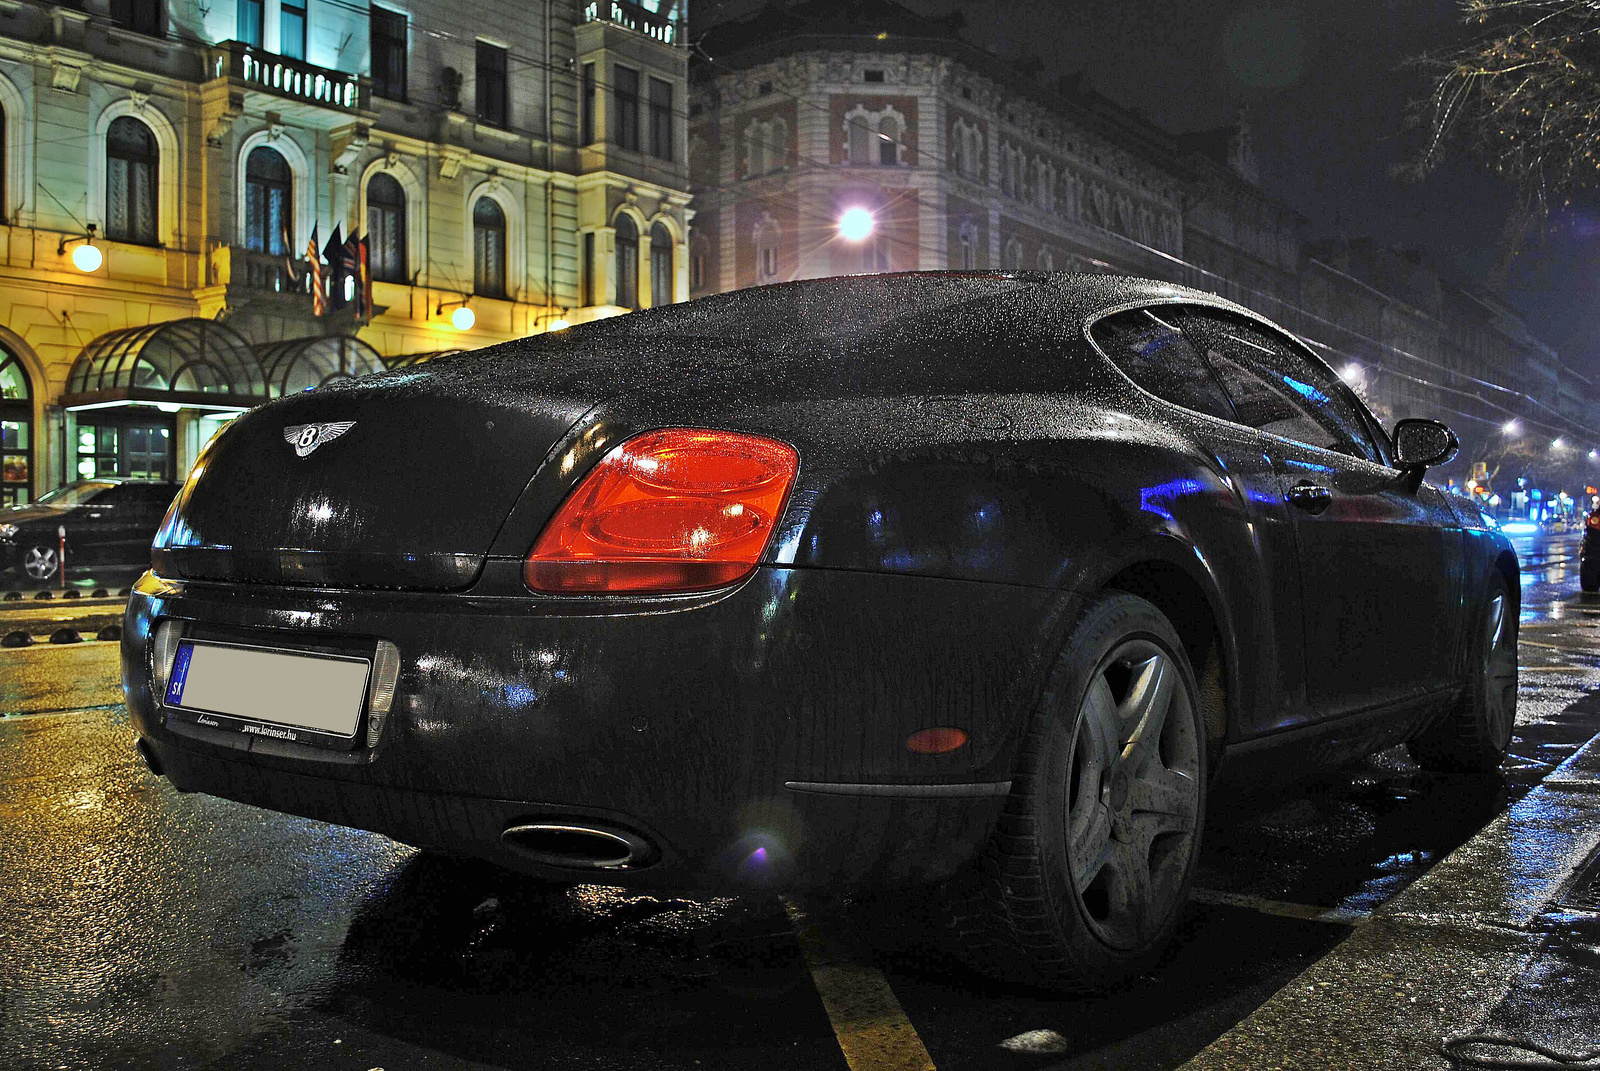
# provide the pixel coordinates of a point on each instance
(800, 112)
(168, 162)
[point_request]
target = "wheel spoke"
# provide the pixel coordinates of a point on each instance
(1160, 793)
(1132, 901)
(1144, 709)
(1100, 719)
(1091, 842)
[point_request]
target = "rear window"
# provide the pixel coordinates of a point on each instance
(1156, 355)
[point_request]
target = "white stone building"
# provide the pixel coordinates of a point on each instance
(525, 160)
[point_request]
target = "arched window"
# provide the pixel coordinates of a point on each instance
(660, 265)
(488, 248)
(1046, 260)
(386, 228)
(131, 161)
(767, 237)
(268, 186)
(860, 140)
(16, 432)
(627, 262)
(1014, 255)
(969, 246)
(889, 141)
(756, 144)
(777, 145)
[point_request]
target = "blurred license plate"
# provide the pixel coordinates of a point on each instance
(269, 692)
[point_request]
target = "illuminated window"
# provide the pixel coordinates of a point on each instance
(131, 162)
(488, 248)
(268, 185)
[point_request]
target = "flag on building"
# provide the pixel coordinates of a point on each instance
(319, 297)
(355, 259)
(333, 253)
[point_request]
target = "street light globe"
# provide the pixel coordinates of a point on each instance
(1510, 427)
(86, 258)
(1351, 373)
(1557, 442)
(463, 319)
(856, 224)
(558, 324)
(1593, 454)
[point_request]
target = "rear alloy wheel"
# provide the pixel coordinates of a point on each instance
(40, 562)
(1474, 736)
(1082, 884)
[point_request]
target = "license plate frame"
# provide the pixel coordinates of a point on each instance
(258, 726)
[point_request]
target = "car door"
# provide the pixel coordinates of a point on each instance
(91, 526)
(117, 517)
(1379, 565)
(1264, 593)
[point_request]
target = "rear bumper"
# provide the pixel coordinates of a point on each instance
(751, 738)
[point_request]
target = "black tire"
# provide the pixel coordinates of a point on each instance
(1473, 737)
(1021, 914)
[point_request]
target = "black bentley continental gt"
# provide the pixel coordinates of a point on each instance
(970, 579)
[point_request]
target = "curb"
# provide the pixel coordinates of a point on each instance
(1475, 913)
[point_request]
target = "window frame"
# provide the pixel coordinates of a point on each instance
(625, 128)
(1150, 309)
(662, 252)
(243, 20)
(491, 85)
(627, 262)
(400, 209)
(131, 234)
(1377, 439)
(382, 18)
(482, 285)
(661, 125)
(268, 186)
(286, 12)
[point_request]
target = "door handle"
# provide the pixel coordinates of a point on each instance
(1310, 497)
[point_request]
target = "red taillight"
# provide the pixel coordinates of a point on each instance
(679, 509)
(1594, 520)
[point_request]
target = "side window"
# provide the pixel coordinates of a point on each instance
(1277, 389)
(1156, 355)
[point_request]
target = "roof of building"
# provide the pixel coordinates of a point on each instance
(887, 26)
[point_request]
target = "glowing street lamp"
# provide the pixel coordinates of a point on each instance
(856, 225)
(1351, 373)
(1510, 427)
(462, 318)
(1557, 443)
(87, 258)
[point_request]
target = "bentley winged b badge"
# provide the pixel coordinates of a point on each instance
(307, 437)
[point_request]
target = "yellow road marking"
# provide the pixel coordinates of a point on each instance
(873, 1031)
(1554, 647)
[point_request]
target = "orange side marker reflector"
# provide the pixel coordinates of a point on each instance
(935, 741)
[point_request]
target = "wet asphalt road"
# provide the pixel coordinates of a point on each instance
(144, 928)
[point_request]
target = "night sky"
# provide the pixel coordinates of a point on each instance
(1325, 90)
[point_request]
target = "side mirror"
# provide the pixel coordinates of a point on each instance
(1419, 444)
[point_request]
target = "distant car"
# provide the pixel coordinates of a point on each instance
(109, 521)
(1589, 560)
(958, 577)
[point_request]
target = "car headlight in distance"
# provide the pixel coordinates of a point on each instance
(8, 531)
(674, 510)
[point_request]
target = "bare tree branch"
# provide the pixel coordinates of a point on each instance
(1523, 97)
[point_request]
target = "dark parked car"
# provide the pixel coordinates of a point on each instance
(109, 521)
(1589, 560)
(972, 579)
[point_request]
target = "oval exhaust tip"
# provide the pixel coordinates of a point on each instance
(578, 847)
